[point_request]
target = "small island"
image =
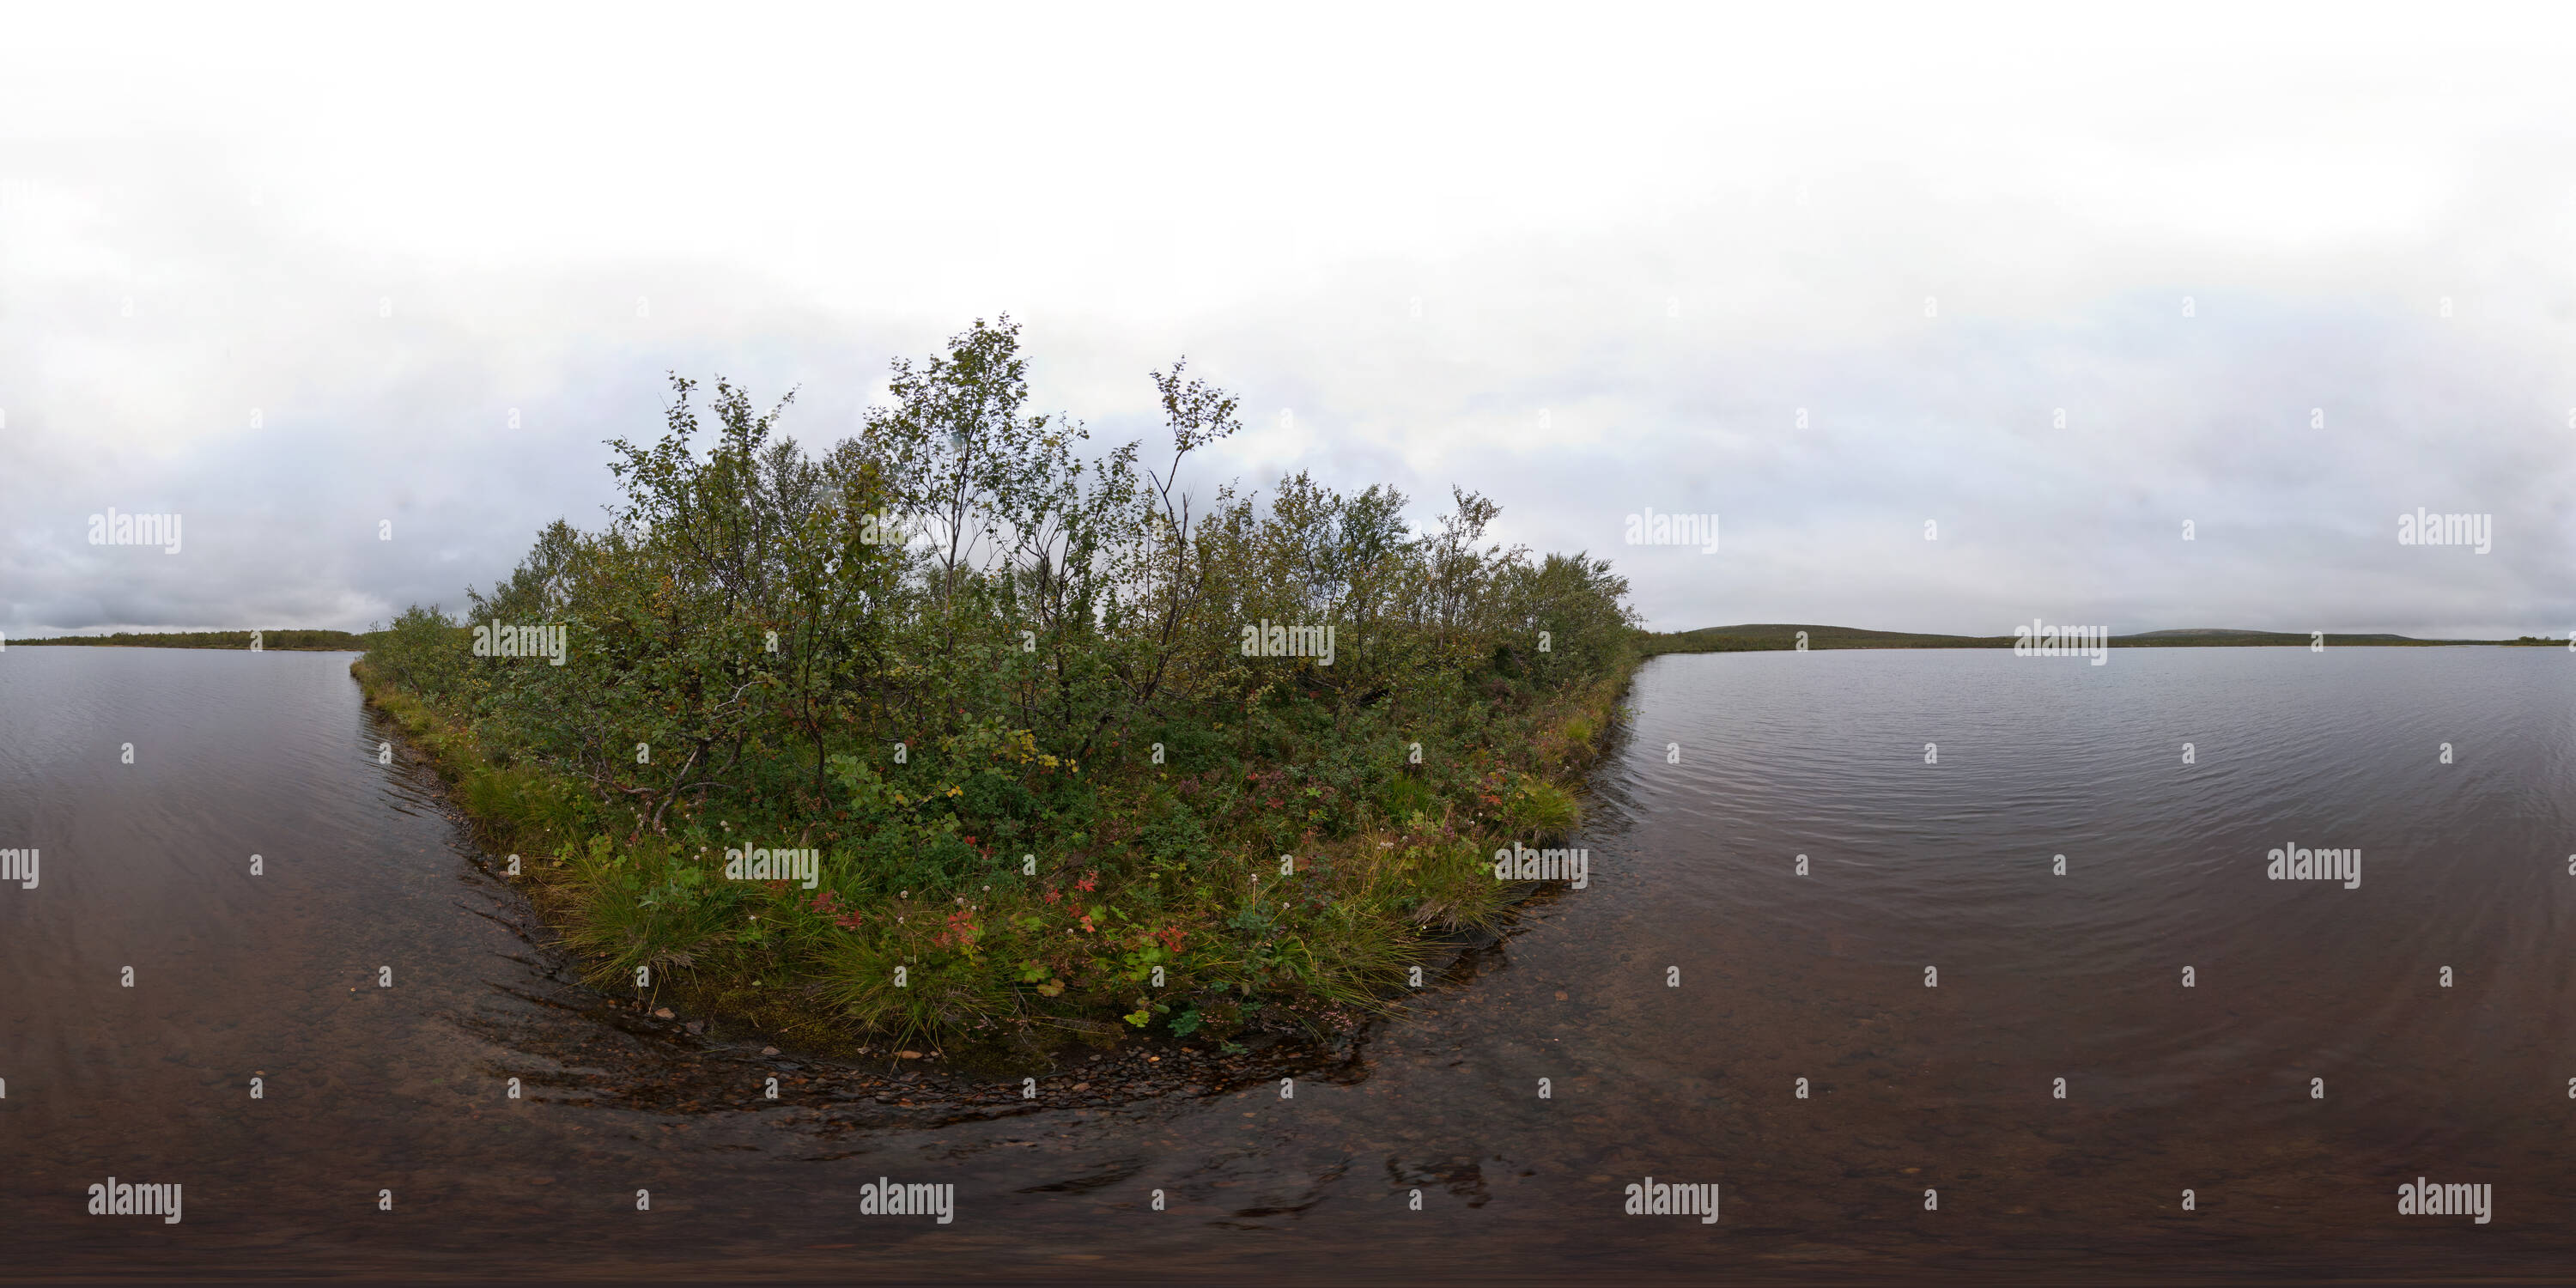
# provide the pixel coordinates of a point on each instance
(961, 735)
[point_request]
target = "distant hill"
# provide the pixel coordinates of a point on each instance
(1765, 636)
(288, 641)
(2206, 638)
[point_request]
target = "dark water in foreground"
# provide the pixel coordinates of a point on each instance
(2465, 866)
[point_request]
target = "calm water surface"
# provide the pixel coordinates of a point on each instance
(1911, 865)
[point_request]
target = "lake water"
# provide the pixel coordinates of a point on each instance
(1911, 865)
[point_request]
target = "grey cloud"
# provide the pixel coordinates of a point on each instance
(1782, 304)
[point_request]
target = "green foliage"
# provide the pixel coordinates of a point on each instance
(942, 656)
(1542, 810)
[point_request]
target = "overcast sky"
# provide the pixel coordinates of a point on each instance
(289, 274)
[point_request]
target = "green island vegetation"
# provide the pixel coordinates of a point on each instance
(1010, 695)
(294, 641)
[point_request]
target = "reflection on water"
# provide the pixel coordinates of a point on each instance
(1782, 977)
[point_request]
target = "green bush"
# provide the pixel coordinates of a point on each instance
(945, 655)
(1543, 810)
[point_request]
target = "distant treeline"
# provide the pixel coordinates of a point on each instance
(281, 641)
(1767, 636)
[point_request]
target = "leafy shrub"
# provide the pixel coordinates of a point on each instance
(942, 655)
